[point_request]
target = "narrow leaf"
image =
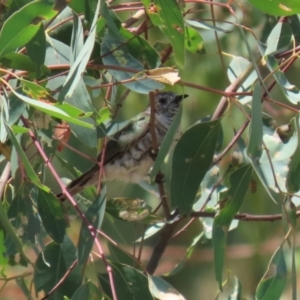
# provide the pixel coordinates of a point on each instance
(130, 283)
(272, 284)
(165, 145)
(95, 215)
(81, 61)
(52, 110)
(52, 214)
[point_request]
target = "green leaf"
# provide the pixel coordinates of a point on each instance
(160, 289)
(130, 283)
(94, 215)
(21, 209)
(36, 50)
(151, 231)
(272, 284)
(51, 266)
(289, 213)
(239, 182)
(290, 91)
(32, 176)
(115, 53)
(277, 7)
(88, 291)
(292, 182)
(23, 25)
(188, 254)
(166, 144)
(193, 41)
(279, 39)
(24, 288)
(3, 258)
(192, 158)
(167, 15)
(109, 18)
(240, 66)
(79, 66)
(22, 62)
(11, 236)
(54, 110)
(53, 215)
(254, 149)
(201, 25)
(236, 290)
(76, 39)
(16, 108)
(138, 47)
(121, 256)
(4, 117)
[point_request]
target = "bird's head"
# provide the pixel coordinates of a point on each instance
(168, 103)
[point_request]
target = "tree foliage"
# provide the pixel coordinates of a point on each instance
(67, 68)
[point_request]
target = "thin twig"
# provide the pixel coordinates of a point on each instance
(159, 175)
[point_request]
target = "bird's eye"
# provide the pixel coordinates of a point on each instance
(162, 101)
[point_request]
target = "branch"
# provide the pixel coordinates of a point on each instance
(244, 216)
(165, 235)
(159, 177)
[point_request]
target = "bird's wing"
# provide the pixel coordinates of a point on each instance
(128, 136)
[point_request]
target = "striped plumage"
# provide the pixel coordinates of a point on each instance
(128, 152)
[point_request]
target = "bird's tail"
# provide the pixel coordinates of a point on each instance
(84, 180)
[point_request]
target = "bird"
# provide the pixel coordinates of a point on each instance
(128, 153)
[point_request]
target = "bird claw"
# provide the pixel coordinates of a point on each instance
(160, 178)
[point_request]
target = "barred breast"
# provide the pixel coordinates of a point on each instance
(134, 164)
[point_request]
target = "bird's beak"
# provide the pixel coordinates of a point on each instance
(179, 98)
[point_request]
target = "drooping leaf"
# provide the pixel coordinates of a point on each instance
(88, 291)
(81, 61)
(131, 283)
(94, 215)
(53, 215)
(160, 289)
(32, 176)
(273, 282)
(279, 39)
(165, 145)
(121, 256)
(193, 155)
(292, 182)
(51, 266)
(22, 26)
(233, 198)
(36, 50)
(240, 66)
